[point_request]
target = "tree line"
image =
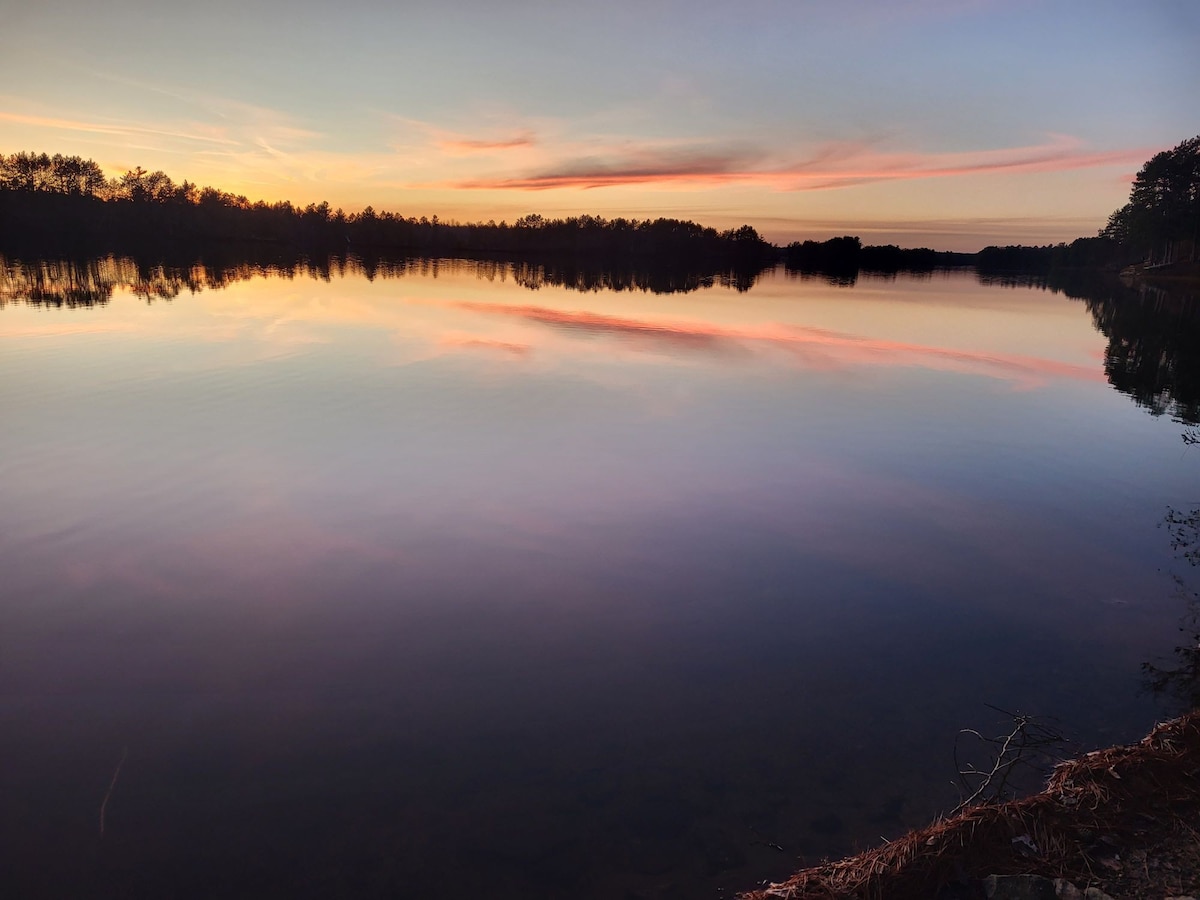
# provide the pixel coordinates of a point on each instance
(1158, 227)
(841, 258)
(66, 202)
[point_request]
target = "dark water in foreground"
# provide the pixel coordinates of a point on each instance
(439, 585)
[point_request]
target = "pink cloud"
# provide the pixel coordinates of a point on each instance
(464, 145)
(837, 165)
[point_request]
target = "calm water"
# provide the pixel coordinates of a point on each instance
(453, 580)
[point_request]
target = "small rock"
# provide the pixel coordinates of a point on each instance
(1024, 844)
(1064, 890)
(1094, 893)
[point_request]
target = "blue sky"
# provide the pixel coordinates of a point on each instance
(926, 122)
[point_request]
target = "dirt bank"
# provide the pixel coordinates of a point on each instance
(1125, 820)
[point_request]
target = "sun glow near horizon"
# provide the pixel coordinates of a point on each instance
(918, 124)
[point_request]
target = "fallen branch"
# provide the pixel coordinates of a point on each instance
(1027, 745)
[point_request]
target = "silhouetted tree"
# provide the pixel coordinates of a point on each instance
(1164, 205)
(64, 202)
(27, 172)
(75, 176)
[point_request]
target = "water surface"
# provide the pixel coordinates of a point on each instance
(459, 579)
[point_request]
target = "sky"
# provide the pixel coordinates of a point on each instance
(932, 123)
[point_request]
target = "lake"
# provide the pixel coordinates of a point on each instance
(445, 578)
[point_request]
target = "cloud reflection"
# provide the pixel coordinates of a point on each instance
(815, 348)
(462, 342)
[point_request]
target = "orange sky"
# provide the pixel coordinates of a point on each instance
(917, 122)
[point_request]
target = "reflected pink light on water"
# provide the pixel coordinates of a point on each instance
(466, 342)
(817, 347)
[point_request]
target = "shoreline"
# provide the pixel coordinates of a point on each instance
(1135, 802)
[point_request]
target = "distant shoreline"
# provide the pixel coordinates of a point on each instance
(66, 204)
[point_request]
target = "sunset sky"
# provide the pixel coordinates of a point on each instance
(919, 122)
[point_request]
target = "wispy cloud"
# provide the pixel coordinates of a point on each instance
(220, 111)
(835, 165)
(102, 127)
(465, 145)
(224, 140)
(623, 167)
(497, 138)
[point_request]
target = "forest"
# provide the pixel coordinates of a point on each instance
(66, 204)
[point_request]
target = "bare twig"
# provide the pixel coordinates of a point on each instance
(1027, 744)
(1096, 793)
(112, 784)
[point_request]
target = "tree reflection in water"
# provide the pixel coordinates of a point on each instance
(1179, 679)
(89, 282)
(1153, 332)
